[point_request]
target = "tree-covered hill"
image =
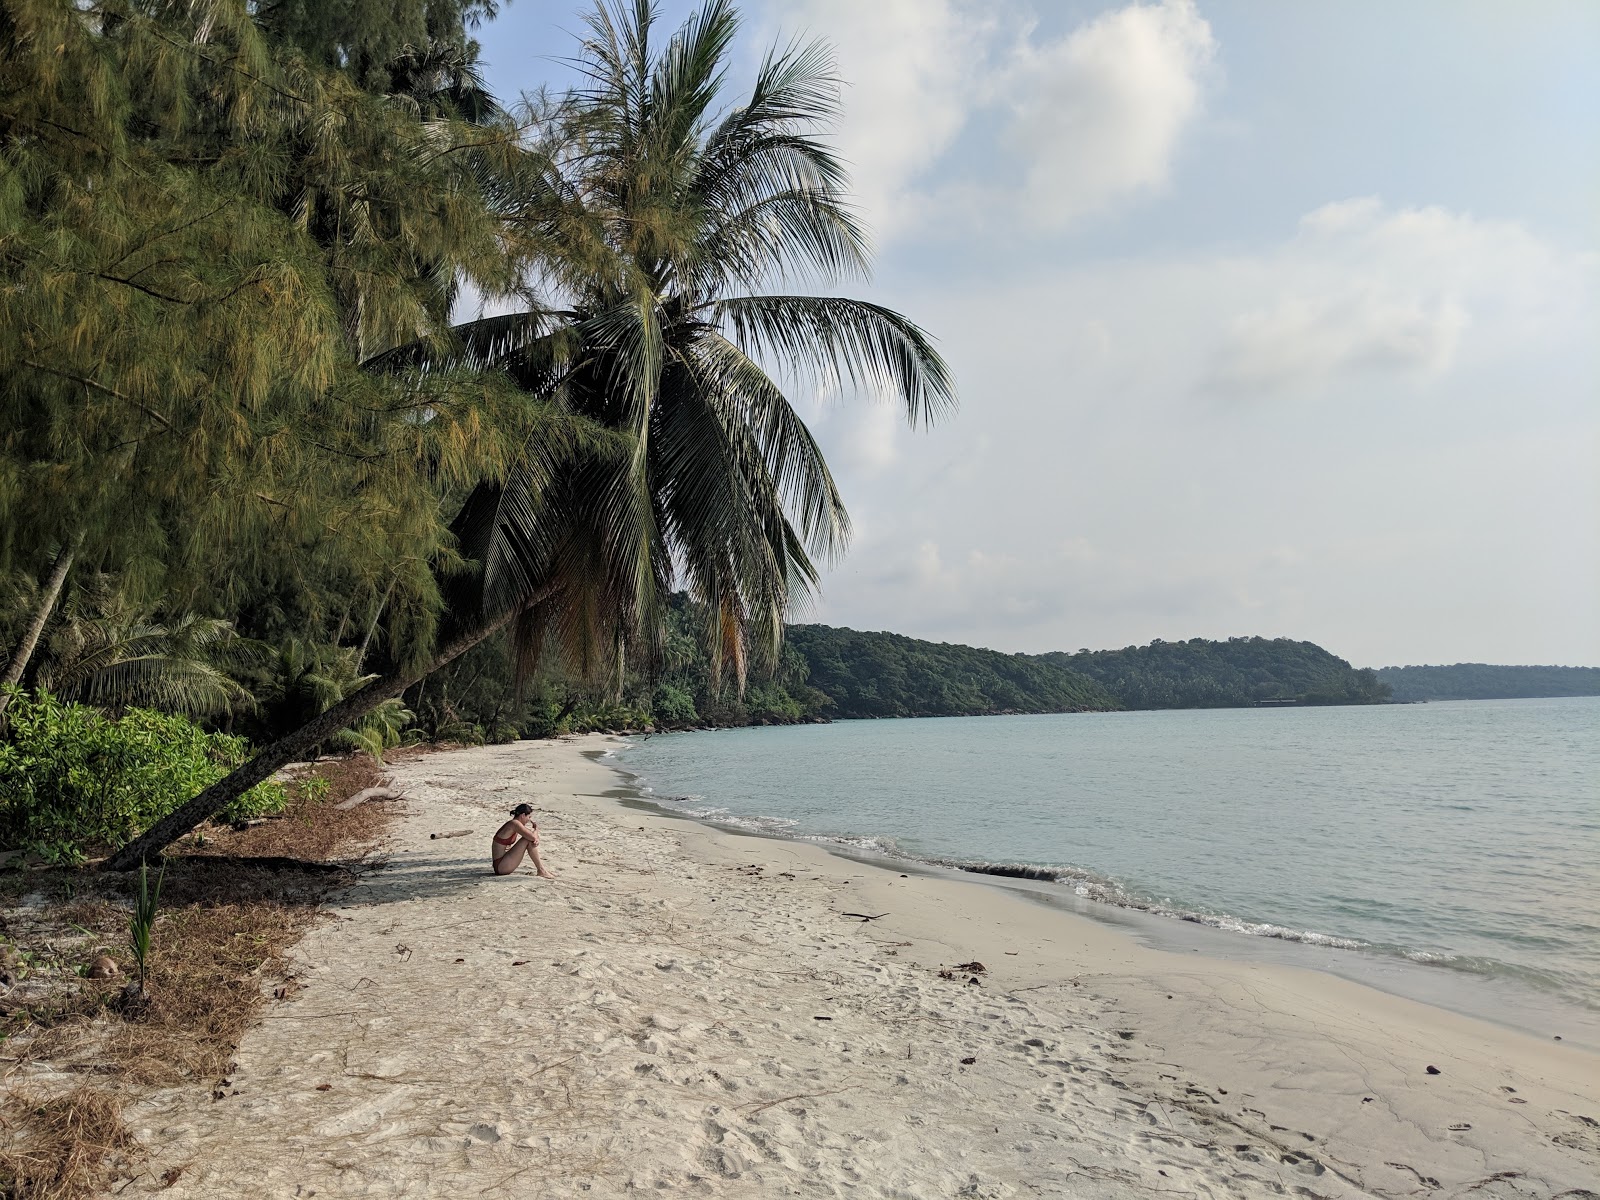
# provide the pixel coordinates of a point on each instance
(1482, 681)
(889, 675)
(1236, 673)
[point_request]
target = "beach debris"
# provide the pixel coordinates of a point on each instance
(1126, 1034)
(864, 916)
(521, 962)
(947, 974)
(324, 1087)
(822, 1018)
(1558, 1037)
(103, 967)
(1433, 1070)
(972, 968)
(968, 1061)
(365, 794)
(1459, 1127)
(449, 834)
(1366, 1099)
(403, 950)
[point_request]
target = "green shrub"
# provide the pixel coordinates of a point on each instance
(73, 779)
(674, 705)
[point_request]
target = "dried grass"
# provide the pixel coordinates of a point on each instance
(312, 831)
(232, 906)
(61, 1147)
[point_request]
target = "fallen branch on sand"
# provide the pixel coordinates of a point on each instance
(864, 916)
(371, 793)
(450, 834)
(761, 1108)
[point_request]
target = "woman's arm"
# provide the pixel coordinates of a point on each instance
(528, 829)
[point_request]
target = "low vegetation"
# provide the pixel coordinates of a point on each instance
(75, 780)
(231, 904)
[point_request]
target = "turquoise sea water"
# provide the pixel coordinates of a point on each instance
(1461, 836)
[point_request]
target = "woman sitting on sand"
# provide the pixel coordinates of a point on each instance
(515, 838)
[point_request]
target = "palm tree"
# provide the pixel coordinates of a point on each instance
(654, 223)
(679, 217)
(118, 661)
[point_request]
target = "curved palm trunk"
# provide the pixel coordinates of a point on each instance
(47, 603)
(289, 748)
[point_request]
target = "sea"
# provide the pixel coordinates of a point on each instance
(1449, 852)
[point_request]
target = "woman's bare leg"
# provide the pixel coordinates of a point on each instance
(538, 863)
(511, 859)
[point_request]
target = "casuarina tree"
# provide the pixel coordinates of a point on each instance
(654, 223)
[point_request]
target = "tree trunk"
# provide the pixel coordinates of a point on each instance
(372, 629)
(47, 603)
(286, 749)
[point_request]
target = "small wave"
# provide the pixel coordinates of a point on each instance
(1106, 891)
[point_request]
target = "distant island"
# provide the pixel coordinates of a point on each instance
(1482, 681)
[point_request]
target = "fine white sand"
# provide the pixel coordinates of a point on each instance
(687, 1010)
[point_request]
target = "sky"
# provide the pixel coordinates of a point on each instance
(1271, 319)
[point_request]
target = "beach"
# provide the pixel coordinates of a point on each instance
(685, 1009)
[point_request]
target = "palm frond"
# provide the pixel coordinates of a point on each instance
(844, 341)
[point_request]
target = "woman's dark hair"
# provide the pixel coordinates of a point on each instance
(522, 810)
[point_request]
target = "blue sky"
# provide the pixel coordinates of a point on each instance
(1267, 318)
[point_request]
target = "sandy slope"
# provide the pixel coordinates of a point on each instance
(653, 1020)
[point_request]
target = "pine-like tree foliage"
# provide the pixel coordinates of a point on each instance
(665, 248)
(202, 235)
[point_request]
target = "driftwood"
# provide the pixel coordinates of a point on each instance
(864, 916)
(371, 793)
(451, 833)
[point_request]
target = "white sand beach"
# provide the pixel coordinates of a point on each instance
(684, 1010)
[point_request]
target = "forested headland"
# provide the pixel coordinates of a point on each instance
(1236, 673)
(889, 675)
(1484, 681)
(826, 673)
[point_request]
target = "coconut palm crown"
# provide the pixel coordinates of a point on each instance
(659, 225)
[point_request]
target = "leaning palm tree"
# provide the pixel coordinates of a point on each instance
(654, 224)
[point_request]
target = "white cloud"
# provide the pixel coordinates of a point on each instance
(1425, 410)
(910, 68)
(1364, 290)
(1097, 115)
(1089, 118)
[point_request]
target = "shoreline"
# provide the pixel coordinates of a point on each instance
(686, 1010)
(1490, 990)
(1503, 1001)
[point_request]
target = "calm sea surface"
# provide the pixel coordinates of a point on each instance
(1462, 836)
